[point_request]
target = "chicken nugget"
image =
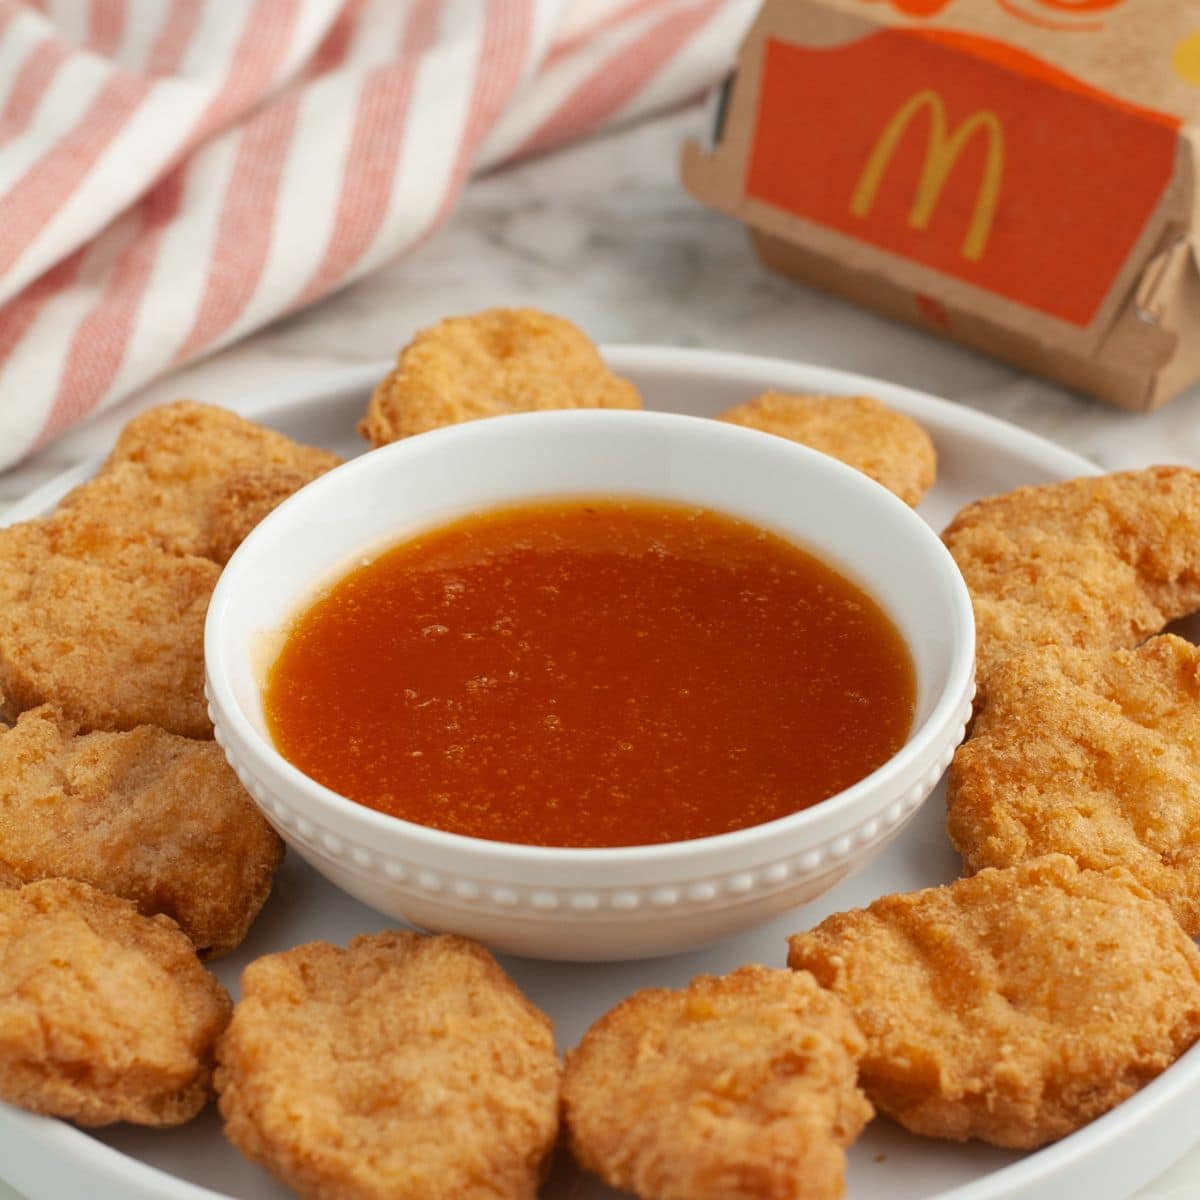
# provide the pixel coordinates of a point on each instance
(1090, 753)
(1099, 562)
(405, 1067)
(504, 360)
(741, 1086)
(241, 501)
(110, 633)
(1014, 1006)
(105, 1015)
(884, 444)
(158, 819)
(166, 483)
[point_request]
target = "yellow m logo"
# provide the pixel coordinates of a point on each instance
(942, 152)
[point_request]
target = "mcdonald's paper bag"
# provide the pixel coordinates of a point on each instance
(1019, 175)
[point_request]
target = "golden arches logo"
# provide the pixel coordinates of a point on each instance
(943, 150)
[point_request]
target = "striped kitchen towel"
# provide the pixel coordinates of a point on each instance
(176, 173)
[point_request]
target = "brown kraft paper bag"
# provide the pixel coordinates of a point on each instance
(1018, 175)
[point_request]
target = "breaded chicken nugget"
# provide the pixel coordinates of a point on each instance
(1096, 562)
(860, 431)
(111, 634)
(1014, 1006)
(739, 1087)
(105, 1015)
(504, 360)
(241, 501)
(402, 1068)
(166, 482)
(147, 815)
(1094, 754)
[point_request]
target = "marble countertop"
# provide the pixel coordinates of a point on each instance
(604, 233)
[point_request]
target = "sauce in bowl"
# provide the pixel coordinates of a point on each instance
(591, 673)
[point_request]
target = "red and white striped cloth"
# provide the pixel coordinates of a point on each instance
(176, 173)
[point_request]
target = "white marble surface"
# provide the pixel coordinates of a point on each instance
(604, 234)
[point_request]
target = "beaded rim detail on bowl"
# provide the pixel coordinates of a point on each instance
(462, 891)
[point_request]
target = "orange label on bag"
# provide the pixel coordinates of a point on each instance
(965, 155)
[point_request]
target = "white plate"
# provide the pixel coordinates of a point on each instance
(1110, 1159)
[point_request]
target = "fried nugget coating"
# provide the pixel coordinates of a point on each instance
(738, 1087)
(503, 360)
(167, 482)
(885, 445)
(1094, 754)
(241, 501)
(111, 633)
(405, 1067)
(105, 1015)
(158, 819)
(1099, 562)
(1013, 1006)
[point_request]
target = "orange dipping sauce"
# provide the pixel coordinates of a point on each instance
(591, 673)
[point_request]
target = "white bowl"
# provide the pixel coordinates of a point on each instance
(590, 904)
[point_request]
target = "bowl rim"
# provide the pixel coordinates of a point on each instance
(926, 737)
